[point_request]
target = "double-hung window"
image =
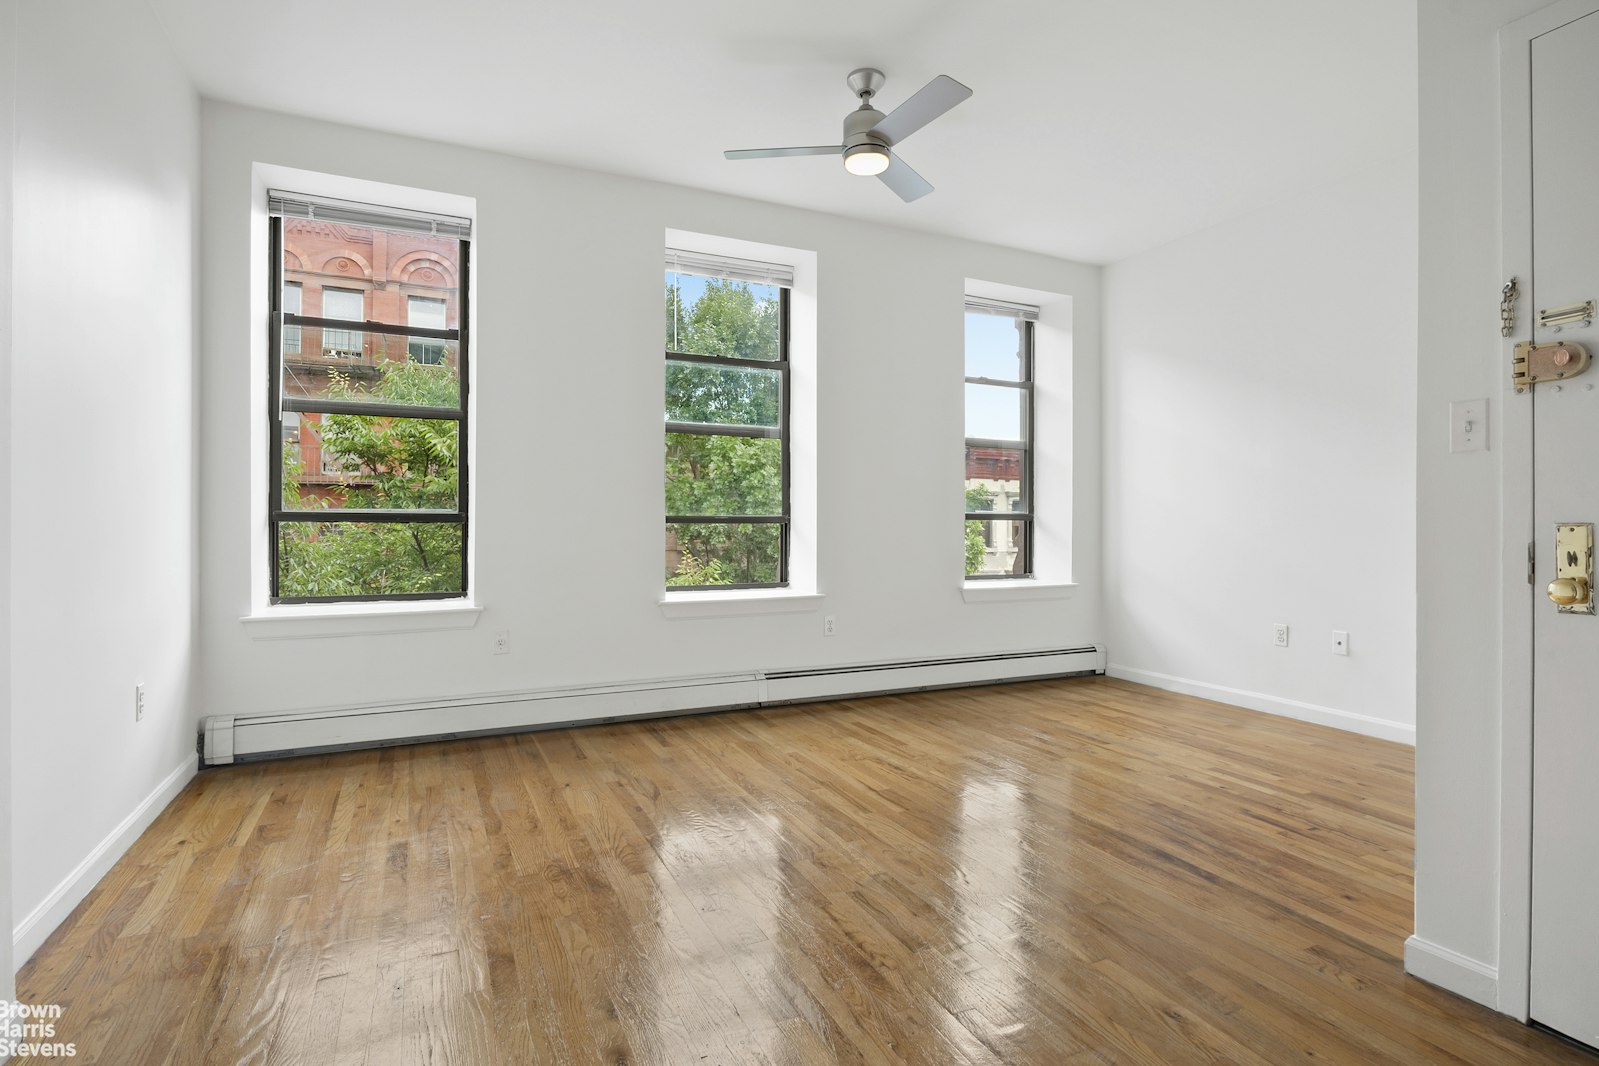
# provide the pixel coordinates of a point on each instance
(727, 417)
(999, 438)
(367, 462)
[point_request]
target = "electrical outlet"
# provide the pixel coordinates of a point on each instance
(138, 702)
(829, 625)
(1280, 634)
(1340, 642)
(502, 642)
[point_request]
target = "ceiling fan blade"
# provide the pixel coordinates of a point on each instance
(930, 101)
(774, 153)
(905, 182)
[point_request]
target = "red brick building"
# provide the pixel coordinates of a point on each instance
(334, 270)
(994, 464)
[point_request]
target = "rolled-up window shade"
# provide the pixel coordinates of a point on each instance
(983, 306)
(326, 209)
(730, 269)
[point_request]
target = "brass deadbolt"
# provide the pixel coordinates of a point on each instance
(1568, 591)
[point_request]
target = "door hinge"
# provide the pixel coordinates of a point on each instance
(1507, 307)
(1532, 564)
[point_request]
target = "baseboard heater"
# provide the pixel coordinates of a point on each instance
(246, 738)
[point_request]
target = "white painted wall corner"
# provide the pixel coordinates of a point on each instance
(1382, 728)
(31, 932)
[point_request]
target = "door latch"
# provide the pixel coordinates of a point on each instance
(1554, 319)
(1533, 363)
(1572, 589)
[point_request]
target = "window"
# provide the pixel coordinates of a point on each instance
(727, 417)
(999, 439)
(292, 294)
(368, 463)
(343, 304)
(291, 430)
(427, 312)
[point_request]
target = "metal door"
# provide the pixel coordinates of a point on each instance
(1565, 225)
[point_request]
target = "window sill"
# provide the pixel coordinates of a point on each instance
(1013, 590)
(733, 604)
(298, 621)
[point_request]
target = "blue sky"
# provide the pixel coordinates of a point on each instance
(991, 346)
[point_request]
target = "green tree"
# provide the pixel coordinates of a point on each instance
(977, 499)
(403, 464)
(719, 474)
(729, 318)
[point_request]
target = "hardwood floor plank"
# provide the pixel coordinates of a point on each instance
(1065, 873)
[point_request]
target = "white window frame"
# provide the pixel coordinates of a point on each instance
(802, 592)
(1054, 448)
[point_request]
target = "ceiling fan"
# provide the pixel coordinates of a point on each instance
(869, 135)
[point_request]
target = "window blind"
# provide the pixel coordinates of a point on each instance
(984, 306)
(327, 209)
(729, 269)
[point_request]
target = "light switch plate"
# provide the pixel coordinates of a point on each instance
(1468, 426)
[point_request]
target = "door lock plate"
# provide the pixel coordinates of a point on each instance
(1572, 589)
(1533, 363)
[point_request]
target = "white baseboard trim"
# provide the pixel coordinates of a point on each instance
(1366, 725)
(31, 932)
(1452, 971)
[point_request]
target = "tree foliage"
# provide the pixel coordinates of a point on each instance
(977, 499)
(394, 463)
(720, 474)
(728, 318)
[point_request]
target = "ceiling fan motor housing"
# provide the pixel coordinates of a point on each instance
(858, 128)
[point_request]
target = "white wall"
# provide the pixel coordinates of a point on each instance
(1259, 451)
(568, 406)
(8, 88)
(1458, 705)
(102, 444)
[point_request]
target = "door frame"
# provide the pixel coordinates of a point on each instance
(1518, 599)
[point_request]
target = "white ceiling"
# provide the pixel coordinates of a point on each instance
(1096, 130)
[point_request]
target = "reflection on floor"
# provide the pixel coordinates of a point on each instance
(1061, 873)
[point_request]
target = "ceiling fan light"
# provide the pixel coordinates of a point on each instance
(866, 160)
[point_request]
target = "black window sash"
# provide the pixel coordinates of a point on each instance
(279, 404)
(1025, 446)
(712, 429)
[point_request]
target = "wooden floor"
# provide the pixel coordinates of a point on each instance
(1060, 873)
